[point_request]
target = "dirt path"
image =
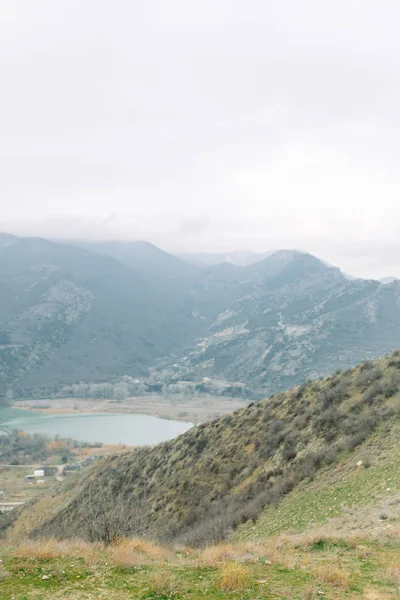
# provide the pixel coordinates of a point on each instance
(59, 475)
(38, 465)
(374, 594)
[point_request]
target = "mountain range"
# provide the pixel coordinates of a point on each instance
(96, 311)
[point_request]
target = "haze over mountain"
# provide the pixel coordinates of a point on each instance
(389, 279)
(240, 258)
(69, 314)
(99, 311)
(140, 256)
(205, 126)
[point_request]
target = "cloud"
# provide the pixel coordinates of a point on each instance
(194, 226)
(205, 125)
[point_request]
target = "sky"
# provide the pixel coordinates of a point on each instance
(205, 125)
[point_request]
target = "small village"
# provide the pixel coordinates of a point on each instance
(39, 477)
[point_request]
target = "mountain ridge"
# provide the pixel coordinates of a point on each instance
(72, 314)
(61, 301)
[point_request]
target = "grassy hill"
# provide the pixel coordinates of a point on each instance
(306, 485)
(359, 495)
(203, 485)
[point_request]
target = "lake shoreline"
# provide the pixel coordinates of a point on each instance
(102, 410)
(196, 410)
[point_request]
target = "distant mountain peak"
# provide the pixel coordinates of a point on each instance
(6, 239)
(389, 279)
(238, 258)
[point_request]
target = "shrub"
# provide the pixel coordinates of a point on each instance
(163, 586)
(366, 460)
(392, 575)
(131, 552)
(333, 576)
(234, 578)
(48, 549)
(373, 393)
(327, 421)
(213, 555)
(289, 448)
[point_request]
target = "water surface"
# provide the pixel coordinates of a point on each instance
(108, 428)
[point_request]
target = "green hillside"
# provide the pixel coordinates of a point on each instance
(305, 486)
(204, 484)
(358, 495)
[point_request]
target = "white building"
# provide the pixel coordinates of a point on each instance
(38, 472)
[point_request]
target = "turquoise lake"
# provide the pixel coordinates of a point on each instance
(130, 429)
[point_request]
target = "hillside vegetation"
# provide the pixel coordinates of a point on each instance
(204, 484)
(73, 315)
(305, 568)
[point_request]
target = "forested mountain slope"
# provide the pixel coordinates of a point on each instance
(295, 318)
(69, 314)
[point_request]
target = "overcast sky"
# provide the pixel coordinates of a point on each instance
(205, 125)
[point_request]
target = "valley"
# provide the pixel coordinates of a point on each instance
(224, 473)
(199, 300)
(238, 430)
(296, 496)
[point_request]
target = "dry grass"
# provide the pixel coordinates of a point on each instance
(310, 593)
(243, 553)
(353, 542)
(51, 549)
(3, 573)
(132, 552)
(124, 553)
(392, 575)
(282, 551)
(234, 577)
(236, 570)
(33, 518)
(333, 576)
(163, 585)
(220, 553)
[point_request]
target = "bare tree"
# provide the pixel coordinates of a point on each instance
(109, 515)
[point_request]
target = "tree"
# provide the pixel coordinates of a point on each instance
(110, 516)
(120, 392)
